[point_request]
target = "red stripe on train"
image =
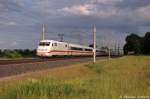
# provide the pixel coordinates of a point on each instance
(68, 51)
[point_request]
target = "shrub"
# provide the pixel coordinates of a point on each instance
(11, 54)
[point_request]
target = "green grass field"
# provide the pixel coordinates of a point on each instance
(107, 79)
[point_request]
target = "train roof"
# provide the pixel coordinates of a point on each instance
(76, 45)
(46, 40)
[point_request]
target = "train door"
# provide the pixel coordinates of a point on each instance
(68, 49)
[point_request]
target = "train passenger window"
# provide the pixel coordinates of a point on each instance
(55, 44)
(76, 48)
(88, 49)
(98, 51)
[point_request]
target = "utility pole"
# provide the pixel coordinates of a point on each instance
(109, 53)
(115, 49)
(61, 37)
(109, 50)
(94, 43)
(43, 32)
(118, 49)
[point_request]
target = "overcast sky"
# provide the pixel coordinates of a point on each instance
(21, 21)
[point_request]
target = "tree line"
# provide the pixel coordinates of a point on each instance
(136, 44)
(17, 53)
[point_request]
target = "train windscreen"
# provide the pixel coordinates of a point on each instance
(44, 43)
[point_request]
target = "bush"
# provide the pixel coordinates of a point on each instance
(137, 44)
(11, 54)
(17, 53)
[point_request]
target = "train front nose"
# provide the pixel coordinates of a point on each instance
(42, 52)
(43, 48)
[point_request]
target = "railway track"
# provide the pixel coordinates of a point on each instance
(20, 61)
(16, 67)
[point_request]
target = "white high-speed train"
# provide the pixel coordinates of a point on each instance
(48, 48)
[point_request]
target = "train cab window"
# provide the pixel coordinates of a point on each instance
(44, 43)
(66, 45)
(47, 43)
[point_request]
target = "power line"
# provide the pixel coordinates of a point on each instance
(61, 37)
(80, 37)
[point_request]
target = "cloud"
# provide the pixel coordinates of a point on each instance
(23, 19)
(9, 6)
(144, 12)
(90, 9)
(132, 4)
(9, 23)
(105, 2)
(78, 10)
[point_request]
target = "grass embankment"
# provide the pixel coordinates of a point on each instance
(107, 79)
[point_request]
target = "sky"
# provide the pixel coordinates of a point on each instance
(21, 21)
